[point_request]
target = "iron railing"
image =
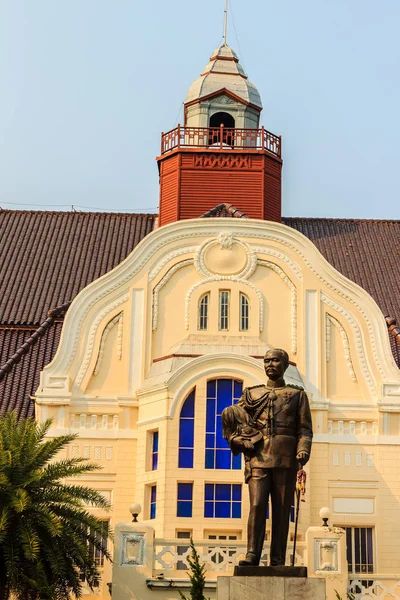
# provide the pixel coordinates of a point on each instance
(221, 138)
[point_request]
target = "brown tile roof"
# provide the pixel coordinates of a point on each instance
(23, 380)
(366, 251)
(46, 258)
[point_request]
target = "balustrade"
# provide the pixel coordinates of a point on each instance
(352, 427)
(170, 555)
(221, 138)
(87, 421)
(382, 588)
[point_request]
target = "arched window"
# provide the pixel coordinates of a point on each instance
(220, 394)
(216, 120)
(203, 311)
(244, 312)
(186, 433)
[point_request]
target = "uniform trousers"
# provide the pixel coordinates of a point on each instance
(280, 484)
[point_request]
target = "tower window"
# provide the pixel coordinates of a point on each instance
(185, 500)
(153, 501)
(203, 311)
(244, 312)
(186, 433)
(220, 394)
(224, 297)
(154, 451)
(216, 120)
(223, 500)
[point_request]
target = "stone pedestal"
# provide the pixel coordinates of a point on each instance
(271, 588)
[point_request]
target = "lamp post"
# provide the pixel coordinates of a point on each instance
(325, 515)
(135, 509)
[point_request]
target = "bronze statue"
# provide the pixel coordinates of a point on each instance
(271, 425)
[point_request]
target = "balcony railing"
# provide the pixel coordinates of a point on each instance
(221, 138)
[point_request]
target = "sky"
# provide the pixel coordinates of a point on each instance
(87, 87)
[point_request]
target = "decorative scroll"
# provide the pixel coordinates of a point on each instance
(347, 355)
(107, 329)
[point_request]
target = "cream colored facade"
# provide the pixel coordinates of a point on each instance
(131, 352)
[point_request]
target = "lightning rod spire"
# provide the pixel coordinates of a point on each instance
(225, 20)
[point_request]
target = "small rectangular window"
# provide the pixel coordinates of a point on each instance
(244, 313)
(203, 312)
(153, 501)
(224, 310)
(223, 500)
(360, 550)
(154, 451)
(185, 500)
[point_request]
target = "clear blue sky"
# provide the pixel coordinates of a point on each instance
(87, 86)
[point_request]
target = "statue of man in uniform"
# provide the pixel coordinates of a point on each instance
(271, 425)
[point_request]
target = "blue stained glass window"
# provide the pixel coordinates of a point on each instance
(186, 433)
(223, 500)
(185, 500)
(154, 453)
(220, 394)
(153, 501)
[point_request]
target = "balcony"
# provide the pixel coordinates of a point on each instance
(221, 138)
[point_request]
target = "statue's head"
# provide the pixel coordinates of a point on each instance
(276, 361)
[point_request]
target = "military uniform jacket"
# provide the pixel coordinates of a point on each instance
(283, 415)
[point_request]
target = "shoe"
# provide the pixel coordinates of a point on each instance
(249, 561)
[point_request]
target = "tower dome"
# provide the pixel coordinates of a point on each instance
(223, 89)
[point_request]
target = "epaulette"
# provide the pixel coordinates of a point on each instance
(295, 387)
(252, 387)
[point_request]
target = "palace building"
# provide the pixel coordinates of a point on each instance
(136, 331)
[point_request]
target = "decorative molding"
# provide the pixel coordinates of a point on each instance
(121, 279)
(334, 288)
(224, 278)
(132, 549)
(170, 256)
(104, 337)
(162, 283)
(93, 330)
(120, 334)
(293, 298)
(358, 340)
(280, 256)
(226, 239)
(345, 340)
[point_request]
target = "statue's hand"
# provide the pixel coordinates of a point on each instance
(302, 457)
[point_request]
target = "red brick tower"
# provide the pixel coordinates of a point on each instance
(220, 155)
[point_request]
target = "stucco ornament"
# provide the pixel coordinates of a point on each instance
(225, 258)
(225, 240)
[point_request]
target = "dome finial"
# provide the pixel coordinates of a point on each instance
(226, 20)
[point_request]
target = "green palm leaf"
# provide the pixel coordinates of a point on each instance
(47, 532)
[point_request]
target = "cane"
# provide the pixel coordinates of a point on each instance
(300, 489)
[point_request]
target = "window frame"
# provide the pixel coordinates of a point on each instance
(351, 529)
(221, 305)
(204, 304)
(244, 317)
